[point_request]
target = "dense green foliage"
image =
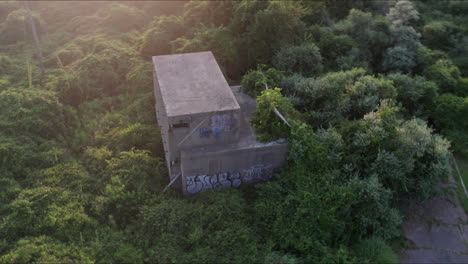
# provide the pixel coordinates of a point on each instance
(364, 85)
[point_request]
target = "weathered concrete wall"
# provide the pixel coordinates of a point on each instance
(163, 121)
(205, 126)
(205, 129)
(202, 171)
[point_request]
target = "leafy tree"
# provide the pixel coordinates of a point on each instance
(44, 249)
(416, 94)
(47, 210)
(263, 40)
(268, 126)
(96, 75)
(71, 176)
(321, 99)
(136, 136)
(426, 57)
(33, 113)
(311, 188)
(318, 13)
(330, 99)
(217, 13)
(447, 76)
(210, 228)
(449, 113)
(304, 59)
(81, 182)
(439, 34)
(245, 13)
(255, 81)
(127, 181)
(9, 66)
(401, 57)
(398, 59)
(14, 29)
(161, 8)
(333, 47)
(113, 246)
(122, 18)
(65, 56)
(140, 76)
(160, 33)
(376, 250)
(371, 34)
(365, 94)
(403, 13)
(9, 189)
(407, 158)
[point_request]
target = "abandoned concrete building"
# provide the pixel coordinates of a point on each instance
(204, 123)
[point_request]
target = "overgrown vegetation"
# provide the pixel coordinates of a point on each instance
(373, 92)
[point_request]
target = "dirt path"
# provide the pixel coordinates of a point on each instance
(438, 231)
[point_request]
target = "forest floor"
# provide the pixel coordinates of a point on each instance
(437, 229)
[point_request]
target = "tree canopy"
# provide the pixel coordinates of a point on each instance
(374, 94)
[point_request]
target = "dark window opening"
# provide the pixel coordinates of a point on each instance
(179, 125)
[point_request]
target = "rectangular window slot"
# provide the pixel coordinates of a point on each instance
(180, 125)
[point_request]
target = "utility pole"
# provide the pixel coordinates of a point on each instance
(36, 39)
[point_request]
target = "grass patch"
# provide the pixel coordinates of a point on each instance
(463, 166)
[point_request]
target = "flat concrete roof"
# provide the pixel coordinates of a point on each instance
(193, 83)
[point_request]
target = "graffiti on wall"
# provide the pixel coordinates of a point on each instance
(200, 183)
(218, 125)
